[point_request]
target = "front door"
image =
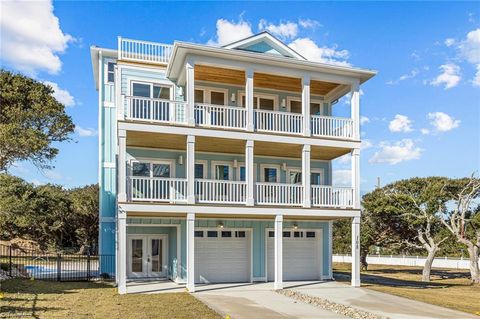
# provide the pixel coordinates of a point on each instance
(147, 256)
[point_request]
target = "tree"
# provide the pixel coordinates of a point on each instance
(463, 221)
(85, 208)
(413, 207)
(31, 119)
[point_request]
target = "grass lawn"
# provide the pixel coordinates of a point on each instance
(43, 299)
(448, 288)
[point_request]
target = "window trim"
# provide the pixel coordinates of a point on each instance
(151, 84)
(262, 175)
(207, 96)
(297, 99)
(205, 167)
(153, 161)
(214, 169)
(107, 61)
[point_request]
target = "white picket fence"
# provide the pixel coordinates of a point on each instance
(413, 261)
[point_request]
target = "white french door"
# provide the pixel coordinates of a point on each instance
(147, 256)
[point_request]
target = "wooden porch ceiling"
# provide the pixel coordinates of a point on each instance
(260, 80)
(229, 146)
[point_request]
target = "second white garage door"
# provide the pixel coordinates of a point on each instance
(302, 255)
(222, 255)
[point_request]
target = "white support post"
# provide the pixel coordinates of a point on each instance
(356, 252)
(249, 176)
(191, 252)
(330, 250)
(355, 109)
(306, 181)
(122, 166)
(278, 283)
(356, 177)
(249, 99)
(190, 169)
(306, 105)
(122, 251)
(119, 49)
(190, 88)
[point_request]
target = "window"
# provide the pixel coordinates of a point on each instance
(240, 234)
(199, 171)
(295, 177)
(150, 90)
(315, 108)
(298, 234)
(270, 174)
(141, 89)
(111, 72)
(261, 102)
(217, 98)
(296, 107)
(241, 174)
(199, 233)
(316, 178)
(310, 234)
(141, 169)
(161, 170)
(271, 234)
(212, 233)
(199, 96)
(222, 172)
(226, 233)
(286, 234)
(161, 92)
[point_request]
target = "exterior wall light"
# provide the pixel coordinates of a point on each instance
(220, 225)
(180, 160)
(233, 98)
(284, 166)
(295, 226)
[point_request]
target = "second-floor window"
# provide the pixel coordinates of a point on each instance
(151, 90)
(143, 169)
(111, 72)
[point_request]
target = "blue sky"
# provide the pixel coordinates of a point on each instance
(421, 112)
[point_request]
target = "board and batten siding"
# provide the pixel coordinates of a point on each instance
(258, 238)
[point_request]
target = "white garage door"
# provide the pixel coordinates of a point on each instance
(222, 255)
(302, 255)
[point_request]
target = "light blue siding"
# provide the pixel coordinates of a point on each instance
(258, 228)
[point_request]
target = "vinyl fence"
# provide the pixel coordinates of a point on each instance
(26, 263)
(414, 261)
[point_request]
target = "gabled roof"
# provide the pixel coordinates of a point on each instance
(264, 42)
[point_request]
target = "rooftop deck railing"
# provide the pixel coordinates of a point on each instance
(143, 51)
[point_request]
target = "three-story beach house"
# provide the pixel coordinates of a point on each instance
(215, 163)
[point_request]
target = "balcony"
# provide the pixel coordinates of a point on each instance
(144, 51)
(174, 190)
(235, 118)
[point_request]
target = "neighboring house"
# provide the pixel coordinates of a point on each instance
(216, 162)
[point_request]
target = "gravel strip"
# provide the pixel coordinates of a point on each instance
(331, 306)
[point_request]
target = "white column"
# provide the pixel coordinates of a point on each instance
(122, 251)
(306, 181)
(356, 177)
(356, 252)
(190, 169)
(122, 167)
(330, 250)
(249, 98)
(249, 173)
(278, 283)
(355, 108)
(191, 252)
(306, 105)
(190, 90)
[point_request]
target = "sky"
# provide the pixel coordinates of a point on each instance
(420, 114)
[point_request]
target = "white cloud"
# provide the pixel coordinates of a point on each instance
(364, 120)
(400, 123)
(449, 42)
(425, 131)
(312, 52)
(450, 76)
(394, 153)
(366, 144)
(284, 30)
(31, 38)
(230, 31)
(470, 47)
(404, 77)
(442, 122)
(62, 96)
(476, 79)
(52, 175)
(309, 23)
(85, 132)
(342, 177)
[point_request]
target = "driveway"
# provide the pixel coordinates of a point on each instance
(260, 301)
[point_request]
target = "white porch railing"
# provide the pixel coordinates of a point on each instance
(332, 126)
(144, 51)
(155, 110)
(158, 189)
(279, 194)
(220, 116)
(219, 191)
(329, 196)
(279, 122)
